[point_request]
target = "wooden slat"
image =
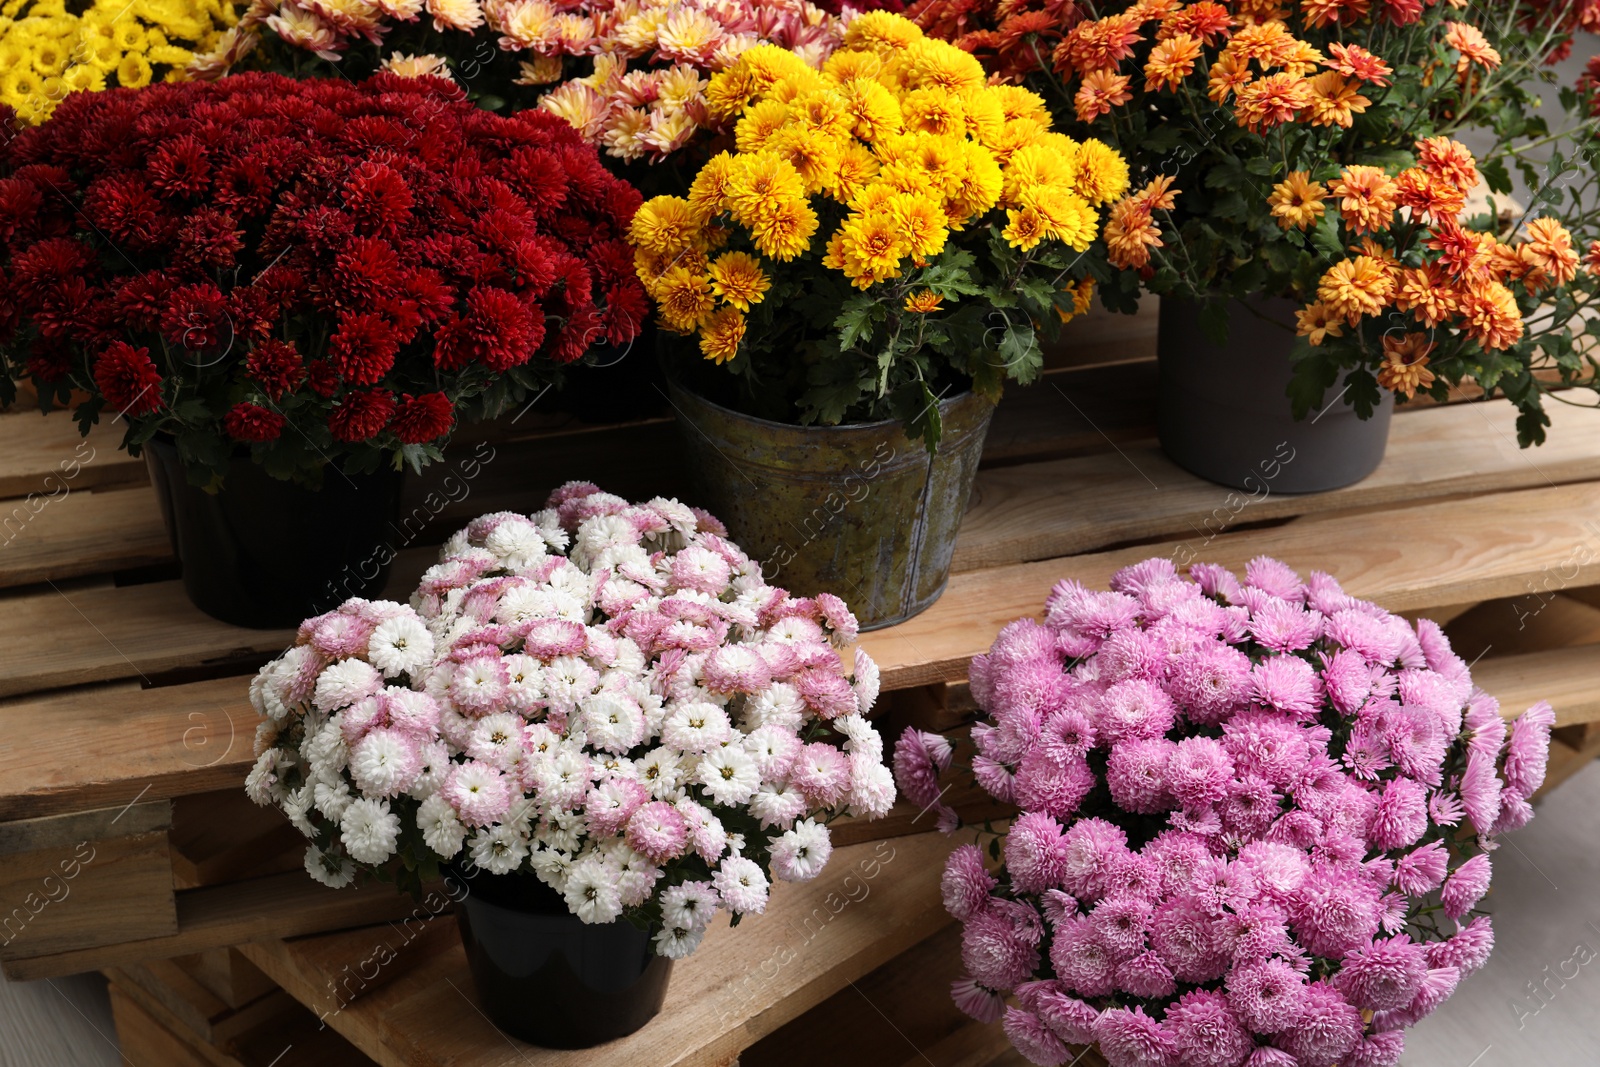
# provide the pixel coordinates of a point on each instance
(1569, 678)
(282, 905)
(200, 1012)
(152, 744)
(83, 533)
(741, 985)
(67, 899)
(1441, 553)
(1044, 510)
(34, 446)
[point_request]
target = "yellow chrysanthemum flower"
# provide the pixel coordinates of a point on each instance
(759, 183)
(939, 63)
(923, 303)
(708, 193)
(847, 66)
(882, 33)
(665, 224)
(871, 247)
(783, 230)
(1102, 172)
(134, 72)
(760, 121)
(935, 111)
(873, 108)
(737, 279)
(922, 224)
(721, 335)
(685, 298)
(1019, 103)
(1025, 228)
(816, 157)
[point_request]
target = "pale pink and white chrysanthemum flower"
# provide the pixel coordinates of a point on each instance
(369, 830)
(742, 885)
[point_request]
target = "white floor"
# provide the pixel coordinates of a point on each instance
(1546, 899)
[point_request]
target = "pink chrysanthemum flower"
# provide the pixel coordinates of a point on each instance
(1267, 1056)
(1376, 1050)
(1199, 772)
(609, 805)
(1401, 815)
(1023, 641)
(1266, 746)
(1285, 627)
(995, 953)
(1177, 856)
(1384, 975)
(1468, 950)
(826, 692)
(1069, 1018)
(1184, 934)
(1081, 961)
(1136, 578)
(1132, 654)
(919, 758)
(980, 1002)
(1287, 684)
(1266, 997)
(1347, 680)
(1067, 734)
(1034, 854)
(1145, 976)
(838, 618)
(1360, 632)
(1133, 875)
(1445, 808)
(735, 669)
(478, 793)
(1465, 886)
(1216, 581)
(1250, 806)
(1421, 870)
(1036, 1041)
(1033, 688)
(996, 779)
(658, 830)
(1274, 577)
(1325, 1028)
(1480, 791)
(1205, 1032)
(1528, 749)
(822, 773)
(1257, 931)
(1091, 848)
(1133, 1039)
(1041, 784)
(1122, 924)
(966, 883)
(1135, 708)
(1336, 910)
(1136, 775)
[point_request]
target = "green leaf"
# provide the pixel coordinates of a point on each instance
(856, 319)
(1496, 174)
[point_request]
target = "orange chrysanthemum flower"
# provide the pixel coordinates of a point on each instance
(1297, 201)
(1405, 364)
(1100, 91)
(1428, 197)
(1159, 195)
(1130, 234)
(1356, 287)
(1335, 101)
(1208, 21)
(1448, 160)
(1466, 254)
(1100, 44)
(1549, 254)
(1267, 43)
(1271, 101)
(1367, 199)
(1320, 13)
(1228, 75)
(1489, 316)
(924, 303)
(1170, 62)
(1317, 322)
(1470, 42)
(1592, 260)
(1427, 292)
(1150, 10)
(1356, 62)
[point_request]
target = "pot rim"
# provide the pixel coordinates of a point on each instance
(677, 384)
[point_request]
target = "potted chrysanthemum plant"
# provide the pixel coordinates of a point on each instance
(600, 724)
(854, 282)
(1254, 822)
(287, 292)
(1301, 174)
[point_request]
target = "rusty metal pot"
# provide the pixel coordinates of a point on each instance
(858, 510)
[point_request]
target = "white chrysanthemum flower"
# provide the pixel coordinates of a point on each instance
(868, 681)
(342, 684)
(779, 704)
(549, 523)
(401, 645)
(612, 722)
(261, 784)
(678, 515)
(598, 533)
(498, 849)
(332, 798)
(696, 726)
(742, 885)
(729, 775)
(690, 905)
(561, 830)
(455, 546)
(776, 805)
(568, 680)
(860, 736)
(326, 753)
(435, 757)
(871, 786)
(369, 830)
(636, 876)
(800, 854)
(735, 844)
(705, 829)
(660, 770)
(560, 781)
(552, 866)
(264, 696)
(526, 688)
(385, 763)
(297, 806)
(520, 603)
(569, 597)
(335, 872)
(540, 740)
(287, 669)
(676, 942)
(517, 542)
(441, 830)
(496, 739)
(623, 559)
(591, 892)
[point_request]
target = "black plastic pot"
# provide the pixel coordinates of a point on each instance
(1223, 411)
(266, 554)
(547, 977)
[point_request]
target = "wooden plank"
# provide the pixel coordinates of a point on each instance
(1104, 337)
(34, 448)
(1532, 622)
(1569, 678)
(870, 904)
(281, 905)
(144, 1040)
(1038, 510)
(227, 974)
(200, 1013)
(226, 837)
(75, 898)
(65, 831)
(146, 743)
(1441, 553)
(82, 533)
(1069, 413)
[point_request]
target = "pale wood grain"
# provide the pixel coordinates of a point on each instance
(34, 446)
(1441, 553)
(739, 986)
(83, 533)
(65, 831)
(1043, 510)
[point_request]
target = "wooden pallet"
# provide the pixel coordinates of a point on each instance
(125, 728)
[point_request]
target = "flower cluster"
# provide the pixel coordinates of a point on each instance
(895, 162)
(630, 75)
(1259, 112)
(308, 267)
(47, 52)
(1414, 256)
(604, 694)
(1248, 811)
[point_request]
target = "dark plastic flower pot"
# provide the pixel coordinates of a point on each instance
(547, 977)
(859, 510)
(1223, 411)
(265, 553)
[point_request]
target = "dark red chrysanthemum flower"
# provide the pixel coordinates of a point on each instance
(362, 349)
(367, 269)
(196, 317)
(626, 308)
(323, 379)
(143, 298)
(424, 418)
(208, 241)
(128, 212)
(250, 422)
(276, 367)
(180, 167)
(35, 271)
(498, 330)
(128, 380)
(378, 199)
(361, 415)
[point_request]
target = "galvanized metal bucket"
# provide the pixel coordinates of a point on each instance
(858, 510)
